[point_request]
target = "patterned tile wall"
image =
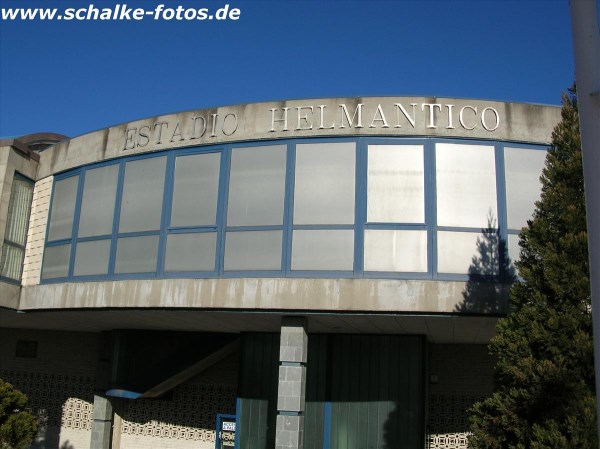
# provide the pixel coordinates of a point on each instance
(463, 375)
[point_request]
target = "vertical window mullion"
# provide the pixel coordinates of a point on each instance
(222, 215)
(431, 207)
(502, 217)
(288, 208)
(166, 213)
(360, 205)
(116, 218)
(289, 212)
(75, 231)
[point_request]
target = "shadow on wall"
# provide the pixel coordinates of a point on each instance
(491, 274)
(56, 401)
(390, 432)
(188, 412)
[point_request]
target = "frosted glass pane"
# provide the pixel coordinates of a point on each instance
(143, 187)
(63, 208)
(459, 252)
(395, 184)
(11, 262)
(513, 248)
(253, 250)
(466, 185)
(324, 184)
(196, 190)
(395, 250)
(523, 187)
(56, 261)
(136, 254)
(98, 203)
(323, 250)
(191, 252)
(91, 258)
(256, 186)
(19, 208)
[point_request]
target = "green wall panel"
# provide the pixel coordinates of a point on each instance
(258, 391)
(375, 387)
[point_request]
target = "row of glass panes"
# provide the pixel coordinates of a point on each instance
(259, 195)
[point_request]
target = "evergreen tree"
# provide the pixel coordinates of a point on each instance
(544, 377)
(17, 426)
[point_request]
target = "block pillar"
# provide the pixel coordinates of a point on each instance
(291, 392)
(102, 424)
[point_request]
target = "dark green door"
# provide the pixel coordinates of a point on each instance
(365, 392)
(257, 395)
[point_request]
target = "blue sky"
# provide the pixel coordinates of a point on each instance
(76, 77)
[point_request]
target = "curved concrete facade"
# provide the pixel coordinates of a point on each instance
(402, 117)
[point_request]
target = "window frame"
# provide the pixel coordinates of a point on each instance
(221, 229)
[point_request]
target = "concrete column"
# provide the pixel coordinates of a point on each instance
(585, 20)
(291, 393)
(102, 424)
(103, 409)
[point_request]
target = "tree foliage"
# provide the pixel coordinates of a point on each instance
(544, 377)
(17, 426)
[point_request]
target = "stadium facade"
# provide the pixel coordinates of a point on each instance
(299, 274)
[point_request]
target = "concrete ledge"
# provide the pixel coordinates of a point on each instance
(324, 117)
(373, 295)
(9, 295)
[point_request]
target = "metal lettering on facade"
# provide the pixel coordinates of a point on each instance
(395, 115)
(164, 132)
(319, 119)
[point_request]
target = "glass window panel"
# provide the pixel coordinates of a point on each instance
(19, 208)
(11, 262)
(191, 252)
(323, 249)
(395, 184)
(91, 258)
(324, 184)
(523, 187)
(196, 190)
(56, 261)
(98, 203)
(514, 250)
(466, 185)
(461, 253)
(256, 186)
(63, 208)
(253, 250)
(395, 250)
(141, 206)
(136, 254)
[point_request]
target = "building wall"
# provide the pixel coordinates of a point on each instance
(36, 235)
(11, 161)
(59, 383)
(460, 375)
(185, 418)
(305, 118)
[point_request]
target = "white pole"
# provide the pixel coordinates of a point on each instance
(585, 20)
